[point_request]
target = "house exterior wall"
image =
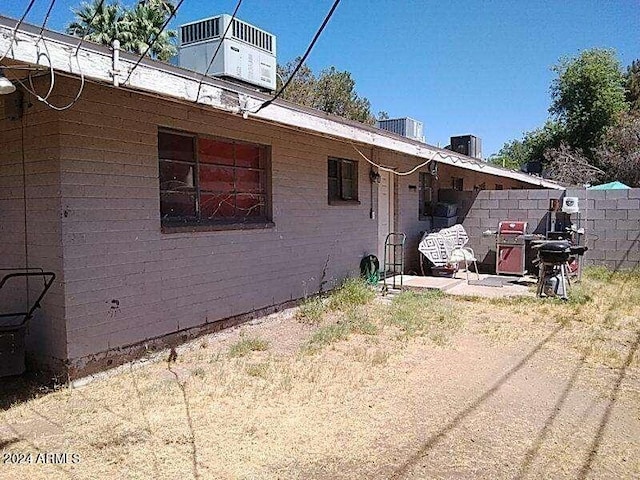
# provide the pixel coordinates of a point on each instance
(30, 152)
(93, 217)
(126, 281)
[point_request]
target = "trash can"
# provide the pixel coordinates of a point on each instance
(14, 324)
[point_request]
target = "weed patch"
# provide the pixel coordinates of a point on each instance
(311, 311)
(259, 370)
(423, 314)
(246, 345)
(327, 335)
(353, 293)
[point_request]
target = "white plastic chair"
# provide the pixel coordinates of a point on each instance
(466, 255)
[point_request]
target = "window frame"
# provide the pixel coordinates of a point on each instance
(340, 199)
(196, 223)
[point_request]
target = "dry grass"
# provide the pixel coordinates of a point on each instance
(426, 386)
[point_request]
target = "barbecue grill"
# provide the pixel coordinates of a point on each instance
(510, 247)
(554, 257)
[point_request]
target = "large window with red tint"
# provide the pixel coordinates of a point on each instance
(211, 180)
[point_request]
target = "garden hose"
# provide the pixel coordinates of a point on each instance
(370, 269)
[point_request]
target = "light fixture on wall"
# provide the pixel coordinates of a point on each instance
(374, 176)
(6, 86)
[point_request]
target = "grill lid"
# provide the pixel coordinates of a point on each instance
(510, 227)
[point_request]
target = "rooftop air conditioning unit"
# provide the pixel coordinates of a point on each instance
(407, 127)
(247, 53)
(468, 145)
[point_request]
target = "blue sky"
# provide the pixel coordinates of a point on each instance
(458, 66)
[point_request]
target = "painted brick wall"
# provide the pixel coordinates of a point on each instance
(611, 220)
(33, 157)
(126, 281)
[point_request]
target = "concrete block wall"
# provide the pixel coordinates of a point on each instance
(126, 281)
(30, 149)
(611, 220)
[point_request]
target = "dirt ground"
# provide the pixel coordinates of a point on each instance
(488, 390)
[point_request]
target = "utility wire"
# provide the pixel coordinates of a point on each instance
(46, 17)
(233, 17)
(391, 170)
(15, 29)
(86, 33)
(302, 60)
(155, 39)
(48, 55)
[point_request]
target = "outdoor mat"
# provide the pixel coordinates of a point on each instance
(493, 281)
(487, 282)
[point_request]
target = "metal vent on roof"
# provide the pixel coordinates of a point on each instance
(251, 35)
(196, 32)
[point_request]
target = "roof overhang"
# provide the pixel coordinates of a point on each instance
(96, 62)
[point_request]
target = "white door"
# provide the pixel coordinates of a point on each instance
(385, 211)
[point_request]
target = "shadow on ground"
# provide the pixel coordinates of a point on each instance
(22, 388)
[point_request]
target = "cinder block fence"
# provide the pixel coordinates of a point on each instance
(611, 219)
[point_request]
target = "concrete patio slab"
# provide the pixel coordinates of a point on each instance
(458, 285)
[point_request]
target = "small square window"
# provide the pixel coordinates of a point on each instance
(342, 179)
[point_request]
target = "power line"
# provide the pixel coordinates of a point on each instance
(15, 29)
(86, 33)
(233, 17)
(46, 17)
(155, 39)
(302, 60)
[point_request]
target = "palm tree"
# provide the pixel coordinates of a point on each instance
(143, 24)
(135, 27)
(97, 22)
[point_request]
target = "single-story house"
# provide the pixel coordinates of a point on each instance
(165, 213)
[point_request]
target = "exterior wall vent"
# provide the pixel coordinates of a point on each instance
(247, 53)
(407, 127)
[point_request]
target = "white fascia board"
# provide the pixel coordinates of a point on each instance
(95, 62)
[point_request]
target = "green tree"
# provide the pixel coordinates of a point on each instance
(531, 148)
(588, 95)
(134, 27)
(332, 91)
(100, 23)
(633, 85)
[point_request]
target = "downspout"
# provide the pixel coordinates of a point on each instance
(115, 63)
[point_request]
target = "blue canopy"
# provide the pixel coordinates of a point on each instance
(610, 186)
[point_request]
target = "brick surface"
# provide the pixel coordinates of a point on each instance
(542, 194)
(632, 225)
(499, 194)
(628, 204)
(615, 214)
(616, 194)
(527, 204)
(615, 234)
(610, 204)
